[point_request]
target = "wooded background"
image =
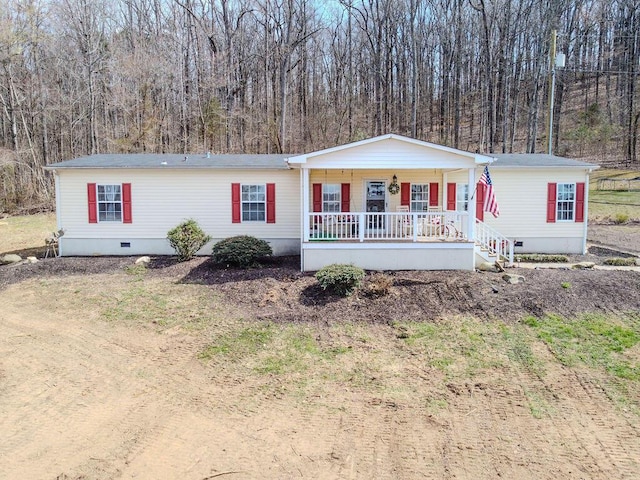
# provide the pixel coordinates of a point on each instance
(87, 76)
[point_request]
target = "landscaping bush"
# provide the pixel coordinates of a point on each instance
(541, 258)
(620, 262)
(186, 239)
(620, 218)
(339, 278)
(241, 251)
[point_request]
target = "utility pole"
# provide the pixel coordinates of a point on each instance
(552, 86)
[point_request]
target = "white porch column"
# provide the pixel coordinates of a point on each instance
(471, 226)
(445, 192)
(304, 173)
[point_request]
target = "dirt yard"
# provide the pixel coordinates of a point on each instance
(191, 371)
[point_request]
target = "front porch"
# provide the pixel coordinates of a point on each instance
(388, 226)
(401, 241)
(389, 241)
(389, 203)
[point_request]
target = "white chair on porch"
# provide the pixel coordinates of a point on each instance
(404, 221)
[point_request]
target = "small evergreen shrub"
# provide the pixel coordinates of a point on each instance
(541, 258)
(241, 251)
(339, 278)
(186, 239)
(620, 262)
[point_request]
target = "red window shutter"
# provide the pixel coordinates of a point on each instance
(451, 196)
(433, 194)
(405, 194)
(480, 201)
(317, 197)
(345, 197)
(235, 203)
(93, 203)
(271, 203)
(580, 202)
(126, 203)
(551, 202)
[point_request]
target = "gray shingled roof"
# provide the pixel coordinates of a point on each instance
(536, 160)
(168, 161)
(277, 162)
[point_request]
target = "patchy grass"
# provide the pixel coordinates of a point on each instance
(592, 340)
(459, 348)
(25, 233)
(273, 349)
(151, 303)
(613, 205)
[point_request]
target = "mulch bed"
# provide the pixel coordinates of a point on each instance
(279, 292)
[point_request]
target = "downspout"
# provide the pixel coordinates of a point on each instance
(56, 177)
(304, 234)
(586, 212)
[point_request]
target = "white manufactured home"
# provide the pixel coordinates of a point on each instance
(385, 203)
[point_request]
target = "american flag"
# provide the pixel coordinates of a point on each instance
(490, 203)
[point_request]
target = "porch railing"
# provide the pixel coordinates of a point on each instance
(370, 226)
(493, 242)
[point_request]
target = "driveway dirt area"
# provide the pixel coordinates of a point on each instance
(191, 371)
(623, 237)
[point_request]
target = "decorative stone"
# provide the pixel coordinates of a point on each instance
(638, 262)
(512, 278)
(487, 267)
(584, 265)
(32, 260)
(143, 260)
(10, 258)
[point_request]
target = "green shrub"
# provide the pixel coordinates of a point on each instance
(620, 262)
(241, 251)
(620, 218)
(186, 239)
(541, 258)
(339, 278)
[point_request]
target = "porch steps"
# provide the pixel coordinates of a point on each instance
(492, 246)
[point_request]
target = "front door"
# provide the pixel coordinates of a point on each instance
(375, 202)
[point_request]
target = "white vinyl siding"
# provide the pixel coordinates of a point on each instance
(254, 203)
(565, 202)
(331, 197)
(358, 178)
(522, 196)
(163, 199)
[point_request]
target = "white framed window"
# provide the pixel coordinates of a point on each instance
(419, 197)
(109, 203)
(331, 197)
(254, 203)
(565, 202)
(462, 197)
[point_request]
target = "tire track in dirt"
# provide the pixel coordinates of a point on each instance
(76, 410)
(378, 438)
(611, 443)
(494, 435)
